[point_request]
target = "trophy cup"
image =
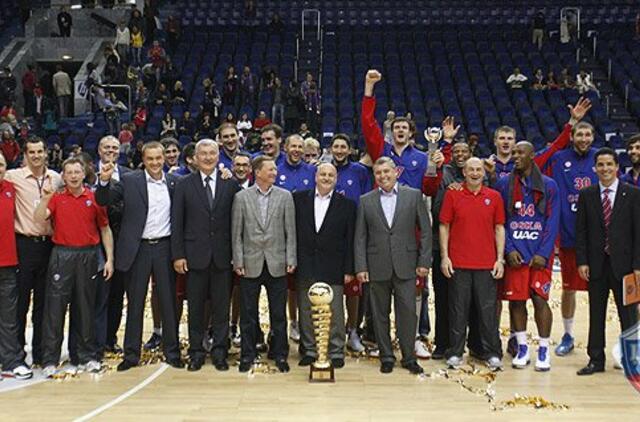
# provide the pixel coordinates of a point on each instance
(433, 136)
(320, 295)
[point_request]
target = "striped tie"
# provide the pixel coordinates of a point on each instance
(606, 212)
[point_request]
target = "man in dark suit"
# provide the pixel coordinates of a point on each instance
(201, 248)
(607, 249)
(144, 248)
(325, 222)
(388, 255)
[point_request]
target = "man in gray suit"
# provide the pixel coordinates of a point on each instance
(263, 232)
(388, 254)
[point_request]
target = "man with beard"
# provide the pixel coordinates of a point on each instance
(171, 154)
(632, 177)
(271, 138)
(533, 216)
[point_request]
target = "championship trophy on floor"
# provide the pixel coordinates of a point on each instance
(320, 295)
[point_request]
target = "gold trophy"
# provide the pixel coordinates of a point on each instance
(433, 136)
(320, 295)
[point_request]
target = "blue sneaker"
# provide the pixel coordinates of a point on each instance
(543, 362)
(566, 345)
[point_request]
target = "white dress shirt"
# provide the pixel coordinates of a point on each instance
(320, 207)
(159, 212)
(212, 183)
(388, 201)
(613, 189)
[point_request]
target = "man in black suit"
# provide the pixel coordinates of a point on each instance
(201, 248)
(607, 249)
(144, 248)
(325, 223)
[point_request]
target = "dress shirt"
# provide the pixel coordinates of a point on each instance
(613, 189)
(320, 207)
(212, 183)
(388, 201)
(263, 202)
(159, 212)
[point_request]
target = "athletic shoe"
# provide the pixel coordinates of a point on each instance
(93, 366)
(294, 333)
(566, 345)
(373, 352)
(512, 346)
(522, 359)
(154, 342)
(21, 372)
(236, 340)
(494, 363)
(543, 361)
(421, 349)
(49, 371)
(354, 343)
(454, 362)
(617, 356)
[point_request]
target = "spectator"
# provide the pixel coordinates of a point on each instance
(566, 80)
(141, 95)
(248, 84)
(150, 13)
(516, 80)
(244, 124)
(187, 125)
(304, 131)
(8, 85)
(249, 9)
(538, 29)
(23, 132)
(552, 83)
(10, 149)
(135, 156)
(584, 83)
(38, 105)
(46, 82)
(136, 21)
(212, 100)
(63, 88)
(312, 101)
(170, 74)
(55, 157)
(276, 26)
(277, 109)
(173, 33)
(125, 137)
(140, 117)
(9, 115)
(158, 58)
(162, 97)
(267, 79)
(168, 126)
(294, 107)
(206, 127)
(123, 41)
(538, 80)
(261, 121)
(29, 81)
(137, 41)
(64, 22)
(179, 96)
(230, 89)
(230, 118)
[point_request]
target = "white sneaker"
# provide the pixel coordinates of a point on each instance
(22, 372)
(294, 334)
(373, 352)
(617, 356)
(523, 358)
(49, 371)
(421, 349)
(93, 366)
(454, 362)
(543, 361)
(494, 363)
(354, 342)
(236, 340)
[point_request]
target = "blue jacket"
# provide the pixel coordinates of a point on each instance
(354, 180)
(295, 178)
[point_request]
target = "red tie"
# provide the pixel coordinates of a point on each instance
(606, 211)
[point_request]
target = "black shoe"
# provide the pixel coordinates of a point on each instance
(244, 366)
(591, 369)
(176, 363)
(154, 342)
(125, 365)
(195, 365)
(261, 347)
(306, 361)
(221, 365)
(413, 367)
(282, 366)
(337, 363)
(113, 348)
(386, 367)
(438, 354)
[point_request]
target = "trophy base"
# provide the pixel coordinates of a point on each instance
(317, 374)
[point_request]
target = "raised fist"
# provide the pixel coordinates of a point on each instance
(107, 171)
(373, 76)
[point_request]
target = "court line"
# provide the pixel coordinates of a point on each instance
(124, 396)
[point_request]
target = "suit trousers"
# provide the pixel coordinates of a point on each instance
(598, 298)
(114, 310)
(152, 259)
(404, 298)
(214, 284)
(337, 333)
(466, 287)
(10, 351)
(277, 295)
(71, 279)
(33, 258)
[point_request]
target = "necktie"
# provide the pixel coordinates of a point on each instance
(606, 212)
(207, 188)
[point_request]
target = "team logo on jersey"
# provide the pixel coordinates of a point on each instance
(518, 205)
(414, 163)
(56, 277)
(88, 202)
(8, 194)
(525, 235)
(567, 164)
(305, 181)
(630, 344)
(283, 177)
(487, 201)
(349, 182)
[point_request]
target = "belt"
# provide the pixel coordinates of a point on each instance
(155, 241)
(37, 239)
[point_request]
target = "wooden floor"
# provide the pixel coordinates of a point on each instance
(158, 393)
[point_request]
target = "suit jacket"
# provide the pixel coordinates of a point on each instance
(382, 250)
(624, 231)
(198, 233)
(274, 241)
(114, 211)
(132, 191)
(326, 255)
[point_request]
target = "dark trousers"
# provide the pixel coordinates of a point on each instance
(114, 310)
(277, 295)
(404, 298)
(11, 355)
(598, 298)
(364, 314)
(33, 258)
(71, 279)
(214, 284)
(152, 259)
(466, 287)
(424, 323)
